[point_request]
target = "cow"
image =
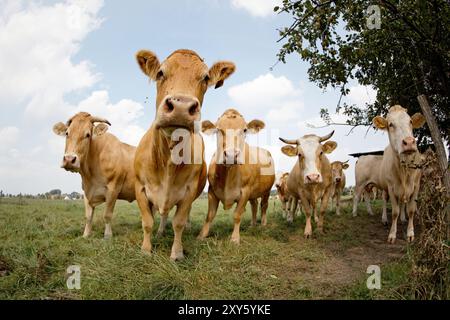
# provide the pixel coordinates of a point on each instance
(396, 174)
(310, 178)
(367, 175)
(289, 203)
(104, 163)
(237, 173)
(169, 162)
(338, 178)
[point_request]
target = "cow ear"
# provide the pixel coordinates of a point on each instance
(208, 127)
(345, 166)
(149, 63)
(329, 146)
(255, 126)
(60, 129)
(100, 129)
(380, 122)
(290, 151)
(418, 120)
(219, 72)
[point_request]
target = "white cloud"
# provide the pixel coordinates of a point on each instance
(39, 69)
(360, 95)
(123, 115)
(277, 97)
(257, 8)
(38, 45)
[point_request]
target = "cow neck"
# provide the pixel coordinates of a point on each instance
(92, 156)
(227, 174)
(161, 151)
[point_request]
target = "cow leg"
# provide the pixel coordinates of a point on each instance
(240, 208)
(384, 219)
(299, 204)
(89, 212)
(366, 196)
(356, 196)
(395, 212)
(264, 206)
(307, 208)
(323, 208)
(338, 203)
(178, 224)
(292, 209)
(402, 213)
(109, 211)
(146, 216)
(254, 204)
(162, 225)
(213, 203)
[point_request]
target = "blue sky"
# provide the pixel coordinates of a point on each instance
(61, 57)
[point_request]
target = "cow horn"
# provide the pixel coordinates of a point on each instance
(325, 138)
(346, 161)
(98, 119)
(288, 141)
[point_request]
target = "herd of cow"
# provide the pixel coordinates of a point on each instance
(168, 168)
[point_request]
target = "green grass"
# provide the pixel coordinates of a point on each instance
(39, 239)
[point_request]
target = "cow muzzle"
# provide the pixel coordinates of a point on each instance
(337, 179)
(71, 162)
(232, 156)
(178, 111)
(312, 178)
(409, 145)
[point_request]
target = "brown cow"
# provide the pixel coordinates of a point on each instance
(310, 178)
(338, 178)
(289, 203)
(104, 163)
(170, 166)
(237, 173)
(395, 175)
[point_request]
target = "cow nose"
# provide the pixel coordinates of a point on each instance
(338, 179)
(70, 159)
(409, 144)
(182, 106)
(231, 155)
(313, 178)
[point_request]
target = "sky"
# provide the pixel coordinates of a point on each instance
(61, 57)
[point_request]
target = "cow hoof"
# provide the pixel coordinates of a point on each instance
(177, 256)
(146, 249)
(107, 236)
(391, 240)
(200, 237)
(85, 236)
(385, 223)
(159, 234)
(236, 241)
(410, 238)
(307, 235)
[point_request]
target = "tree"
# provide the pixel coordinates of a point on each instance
(407, 56)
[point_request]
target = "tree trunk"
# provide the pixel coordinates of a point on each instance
(440, 150)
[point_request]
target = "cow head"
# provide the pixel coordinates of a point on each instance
(399, 126)
(280, 178)
(79, 131)
(309, 150)
(231, 130)
(337, 170)
(181, 82)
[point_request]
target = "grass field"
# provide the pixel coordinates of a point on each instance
(39, 239)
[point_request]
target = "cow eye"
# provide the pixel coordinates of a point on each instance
(88, 135)
(206, 78)
(391, 125)
(67, 134)
(245, 130)
(321, 152)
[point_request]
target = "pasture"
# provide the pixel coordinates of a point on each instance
(39, 239)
